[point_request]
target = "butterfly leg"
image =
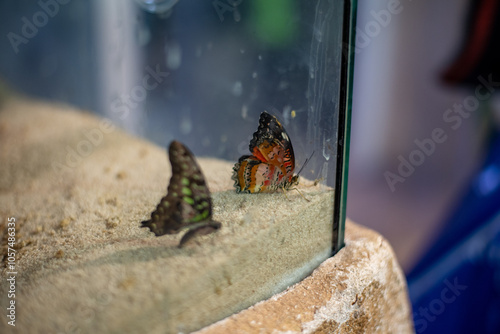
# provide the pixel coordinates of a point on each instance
(284, 192)
(300, 193)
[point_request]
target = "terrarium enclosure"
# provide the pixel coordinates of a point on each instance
(201, 73)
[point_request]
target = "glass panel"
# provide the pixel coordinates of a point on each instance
(258, 91)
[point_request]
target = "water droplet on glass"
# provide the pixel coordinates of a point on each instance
(254, 75)
(173, 55)
(242, 51)
(283, 85)
(157, 6)
(236, 15)
(223, 138)
(326, 150)
(186, 126)
(260, 57)
(237, 88)
(324, 172)
(286, 114)
(318, 34)
(198, 52)
(244, 111)
(287, 109)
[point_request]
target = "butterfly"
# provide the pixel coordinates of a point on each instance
(187, 203)
(271, 165)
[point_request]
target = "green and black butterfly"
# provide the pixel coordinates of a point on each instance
(187, 203)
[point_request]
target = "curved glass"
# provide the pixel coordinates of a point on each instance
(252, 92)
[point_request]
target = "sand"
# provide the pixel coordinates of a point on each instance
(78, 189)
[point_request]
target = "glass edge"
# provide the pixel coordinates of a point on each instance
(345, 106)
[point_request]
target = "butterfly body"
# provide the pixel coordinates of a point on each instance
(188, 203)
(272, 163)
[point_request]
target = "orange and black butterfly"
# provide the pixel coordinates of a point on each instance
(271, 165)
(187, 204)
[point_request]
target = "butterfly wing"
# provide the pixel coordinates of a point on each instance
(271, 144)
(272, 162)
(269, 129)
(251, 175)
(203, 229)
(188, 202)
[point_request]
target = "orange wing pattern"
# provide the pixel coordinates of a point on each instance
(271, 165)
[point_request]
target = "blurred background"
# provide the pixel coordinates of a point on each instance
(424, 164)
(399, 98)
(424, 160)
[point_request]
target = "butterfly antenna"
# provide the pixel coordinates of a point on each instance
(305, 163)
